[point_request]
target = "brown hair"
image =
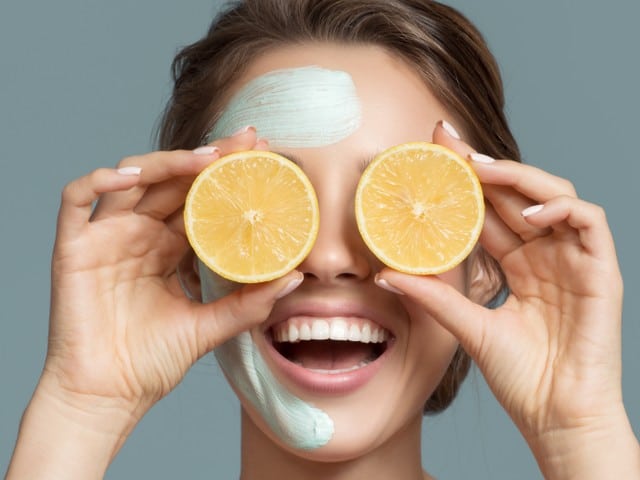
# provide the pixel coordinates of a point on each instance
(439, 42)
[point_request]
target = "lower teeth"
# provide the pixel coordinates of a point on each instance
(337, 371)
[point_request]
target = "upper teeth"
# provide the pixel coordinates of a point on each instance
(335, 328)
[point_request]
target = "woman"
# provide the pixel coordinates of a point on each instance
(123, 333)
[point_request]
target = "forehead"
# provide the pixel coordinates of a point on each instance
(389, 93)
(295, 107)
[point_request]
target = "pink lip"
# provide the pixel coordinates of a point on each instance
(325, 383)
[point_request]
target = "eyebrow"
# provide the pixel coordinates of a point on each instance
(298, 161)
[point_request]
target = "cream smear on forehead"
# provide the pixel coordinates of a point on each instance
(301, 107)
(294, 421)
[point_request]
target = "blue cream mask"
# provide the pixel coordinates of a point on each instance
(295, 107)
(294, 421)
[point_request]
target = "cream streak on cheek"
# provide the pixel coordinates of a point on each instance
(296, 107)
(293, 420)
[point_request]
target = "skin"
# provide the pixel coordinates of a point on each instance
(551, 354)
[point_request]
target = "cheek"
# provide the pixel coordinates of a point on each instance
(431, 347)
(457, 278)
(426, 335)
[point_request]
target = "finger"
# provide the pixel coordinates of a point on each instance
(163, 166)
(530, 181)
(79, 195)
(446, 135)
(175, 221)
(247, 307)
(511, 190)
(506, 201)
(586, 219)
(163, 199)
(156, 167)
(455, 312)
(262, 144)
(496, 237)
(508, 205)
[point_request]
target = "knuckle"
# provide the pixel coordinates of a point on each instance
(132, 160)
(568, 187)
(247, 306)
(97, 175)
(564, 201)
(599, 212)
(73, 190)
(240, 306)
(69, 191)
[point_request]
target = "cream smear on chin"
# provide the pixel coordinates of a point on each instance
(302, 107)
(294, 421)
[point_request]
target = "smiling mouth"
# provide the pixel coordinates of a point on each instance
(334, 345)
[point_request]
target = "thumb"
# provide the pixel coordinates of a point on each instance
(463, 318)
(246, 307)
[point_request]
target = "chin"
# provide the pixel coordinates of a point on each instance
(353, 439)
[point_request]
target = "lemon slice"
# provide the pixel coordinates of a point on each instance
(420, 208)
(251, 216)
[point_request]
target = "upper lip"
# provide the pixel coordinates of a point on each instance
(328, 309)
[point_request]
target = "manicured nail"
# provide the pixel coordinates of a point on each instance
(382, 283)
(129, 170)
(480, 158)
(243, 130)
(291, 286)
(450, 130)
(206, 150)
(527, 212)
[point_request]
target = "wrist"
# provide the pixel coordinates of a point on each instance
(67, 435)
(605, 447)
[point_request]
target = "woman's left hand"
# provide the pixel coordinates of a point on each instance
(551, 353)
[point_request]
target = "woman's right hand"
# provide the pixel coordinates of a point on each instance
(122, 330)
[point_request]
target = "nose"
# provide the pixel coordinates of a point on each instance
(339, 253)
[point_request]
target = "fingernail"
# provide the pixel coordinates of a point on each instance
(263, 142)
(129, 170)
(382, 283)
(527, 212)
(450, 130)
(291, 286)
(243, 130)
(206, 150)
(480, 158)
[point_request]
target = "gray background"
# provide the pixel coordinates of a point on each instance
(82, 83)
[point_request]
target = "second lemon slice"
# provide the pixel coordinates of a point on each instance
(420, 208)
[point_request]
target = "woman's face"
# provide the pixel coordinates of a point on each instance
(375, 391)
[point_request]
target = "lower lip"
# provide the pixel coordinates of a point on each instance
(327, 383)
